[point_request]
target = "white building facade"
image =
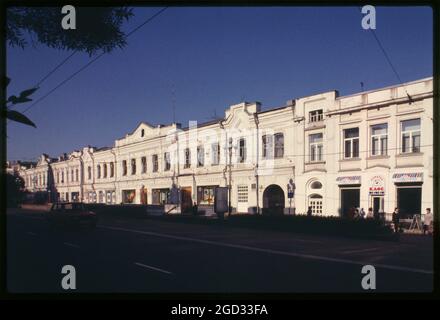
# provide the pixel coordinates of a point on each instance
(325, 152)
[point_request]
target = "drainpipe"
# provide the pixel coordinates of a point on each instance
(257, 163)
(114, 172)
(81, 180)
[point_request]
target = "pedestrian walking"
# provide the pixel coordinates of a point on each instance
(427, 221)
(195, 209)
(362, 213)
(396, 220)
(309, 212)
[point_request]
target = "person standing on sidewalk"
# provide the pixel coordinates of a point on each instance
(427, 221)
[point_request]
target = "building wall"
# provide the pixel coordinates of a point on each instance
(317, 181)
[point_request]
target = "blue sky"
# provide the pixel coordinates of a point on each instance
(211, 58)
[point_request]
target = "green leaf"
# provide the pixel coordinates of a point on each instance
(28, 92)
(16, 100)
(19, 117)
(6, 83)
(12, 98)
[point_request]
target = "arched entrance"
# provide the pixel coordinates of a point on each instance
(273, 200)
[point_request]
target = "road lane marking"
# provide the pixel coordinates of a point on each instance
(31, 233)
(71, 245)
(292, 254)
(360, 250)
(152, 268)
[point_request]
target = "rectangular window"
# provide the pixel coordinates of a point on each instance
(215, 154)
(410, 136)
(242, 150)
(351, 143)
(98, 174)
(112, 169)
(89, 172)
(379, 140)
(167, 161)
(124, 167)
(76, 175)
(133, 166)
(267, 146)
(155, 163)
(187, 163)
(144, 164)
(105, 170)
(279, 145)
(316, 147)
(316, 116)
(200, 156)
(242, 193)
(62, 176)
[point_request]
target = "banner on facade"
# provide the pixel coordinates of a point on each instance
(377, 186)
(408, 177)
(349, 180)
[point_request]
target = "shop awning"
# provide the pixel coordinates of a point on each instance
(408, 177)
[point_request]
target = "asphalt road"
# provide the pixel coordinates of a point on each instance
(133, 255)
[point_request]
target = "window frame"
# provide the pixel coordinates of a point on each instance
(351, 141)
(317, 156)
(411, 136)
(379, 136)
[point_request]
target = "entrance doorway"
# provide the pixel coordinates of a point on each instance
(186, 200)
(273, 200)
(350, 198)
(409, 200)
(377, 203)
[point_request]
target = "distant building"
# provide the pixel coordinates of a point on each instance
(331, 153)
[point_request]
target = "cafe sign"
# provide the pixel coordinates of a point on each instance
(377, 186)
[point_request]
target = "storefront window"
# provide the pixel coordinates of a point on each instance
(205, 195)
(161, 196)
(128, 196)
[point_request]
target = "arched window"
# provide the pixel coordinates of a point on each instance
(316, 185)
(315, 202)
(112, 169)
(105, 170)
(99, 171)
